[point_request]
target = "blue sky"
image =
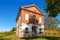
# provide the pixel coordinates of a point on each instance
(9, 10)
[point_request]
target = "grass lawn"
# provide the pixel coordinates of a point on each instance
(14, 37)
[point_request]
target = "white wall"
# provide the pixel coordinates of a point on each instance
(23, 26)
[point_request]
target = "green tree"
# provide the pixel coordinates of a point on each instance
(13, 29)
(53, 7)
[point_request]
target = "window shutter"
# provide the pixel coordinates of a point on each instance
(26, 16)
(40, 19)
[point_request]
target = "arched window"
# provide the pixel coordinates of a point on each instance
(33, 20)
(33, 17)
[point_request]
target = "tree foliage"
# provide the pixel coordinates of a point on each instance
(13, 29)
(53, 7)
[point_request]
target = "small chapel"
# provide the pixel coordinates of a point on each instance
(30, 21)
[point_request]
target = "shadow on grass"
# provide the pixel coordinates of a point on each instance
(51, 38)
(29, 38)
(44, 38)
(33, 38)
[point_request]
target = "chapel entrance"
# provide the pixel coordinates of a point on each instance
(33, 30)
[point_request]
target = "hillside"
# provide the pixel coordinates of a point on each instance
(14, 37)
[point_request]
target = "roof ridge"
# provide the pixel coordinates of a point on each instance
(28, 5)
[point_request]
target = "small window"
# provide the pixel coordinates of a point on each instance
(26, 30)
(41, 29)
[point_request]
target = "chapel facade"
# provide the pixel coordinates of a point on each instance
(30, 21)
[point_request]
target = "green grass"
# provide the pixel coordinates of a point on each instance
(14, 37)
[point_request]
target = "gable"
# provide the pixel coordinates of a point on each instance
(32, 8)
